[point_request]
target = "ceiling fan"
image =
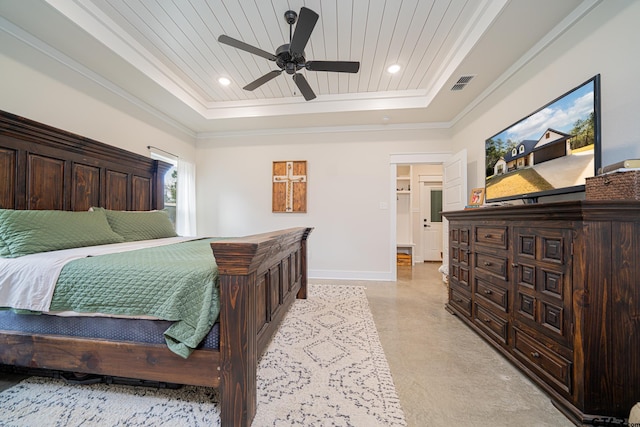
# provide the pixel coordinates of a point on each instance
(290, 57)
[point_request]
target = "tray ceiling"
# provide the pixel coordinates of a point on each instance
(164, 55)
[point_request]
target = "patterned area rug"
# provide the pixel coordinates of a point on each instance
(325, 366)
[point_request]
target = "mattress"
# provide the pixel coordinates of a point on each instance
(108, 328)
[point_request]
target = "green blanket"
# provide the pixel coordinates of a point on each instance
(176, 282)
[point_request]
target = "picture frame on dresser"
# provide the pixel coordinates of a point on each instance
(476, 198)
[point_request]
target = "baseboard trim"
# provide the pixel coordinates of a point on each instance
(385, 276)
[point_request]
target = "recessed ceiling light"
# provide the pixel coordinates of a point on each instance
(393, 68)
(224, 81)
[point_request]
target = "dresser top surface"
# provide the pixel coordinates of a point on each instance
(579, 210)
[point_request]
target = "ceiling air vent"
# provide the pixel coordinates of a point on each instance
(462, 82)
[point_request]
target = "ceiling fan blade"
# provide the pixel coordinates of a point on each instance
(337, 66)
(306, 21)
(304, 87)
(246, 47)
(262, 80)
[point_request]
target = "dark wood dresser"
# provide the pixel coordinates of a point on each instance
(556, 289)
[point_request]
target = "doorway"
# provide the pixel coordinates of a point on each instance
(418, 232)
(454, 193)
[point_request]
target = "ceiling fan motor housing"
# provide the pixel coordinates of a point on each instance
(287, 62)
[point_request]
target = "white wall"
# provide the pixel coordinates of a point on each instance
(605, 43)
(43, 90)
(348, 179)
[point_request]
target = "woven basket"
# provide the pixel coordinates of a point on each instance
(404, 259)
(614, 186)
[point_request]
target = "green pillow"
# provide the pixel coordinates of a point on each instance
(24, 232)
(140, 225)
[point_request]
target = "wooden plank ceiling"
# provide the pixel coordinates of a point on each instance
(181, 38)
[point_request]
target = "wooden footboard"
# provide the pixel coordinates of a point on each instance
(260, 277)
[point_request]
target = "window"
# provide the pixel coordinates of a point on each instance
(514, 152)
(436, 205)
(170, 192)
(521, 149)
(179, 191)
(170, 185)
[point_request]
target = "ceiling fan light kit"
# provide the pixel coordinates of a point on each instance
(290, 57)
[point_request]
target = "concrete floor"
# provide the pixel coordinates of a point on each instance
(444, 373)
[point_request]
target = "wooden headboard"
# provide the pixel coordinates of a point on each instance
(42, 167)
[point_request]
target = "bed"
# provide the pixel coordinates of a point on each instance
(259, 276)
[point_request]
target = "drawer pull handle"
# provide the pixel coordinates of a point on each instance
(458, 300)
(487, 236)
(487, 320)
(514, 265)
(488, 291)
(535, 354)
(487, 263)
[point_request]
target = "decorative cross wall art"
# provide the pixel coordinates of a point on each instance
(290, 186)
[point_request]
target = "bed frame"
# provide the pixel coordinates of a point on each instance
(260, 275)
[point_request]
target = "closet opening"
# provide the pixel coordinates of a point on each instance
(418, 218)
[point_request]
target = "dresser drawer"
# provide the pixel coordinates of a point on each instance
(554, 369)
(491, 323)
(491, 236)
(460, 301)
(492, 293)
(492, 264)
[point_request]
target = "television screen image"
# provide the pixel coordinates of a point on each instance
(549, 152)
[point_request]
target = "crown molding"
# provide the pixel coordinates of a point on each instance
(37, 44)
(99, 25)
(585, 7)
(325, 129)
(92, 20)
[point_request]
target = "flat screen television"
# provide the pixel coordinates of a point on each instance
(549, 152)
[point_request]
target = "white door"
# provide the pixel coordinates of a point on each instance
(454, 183)
(431, 221)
